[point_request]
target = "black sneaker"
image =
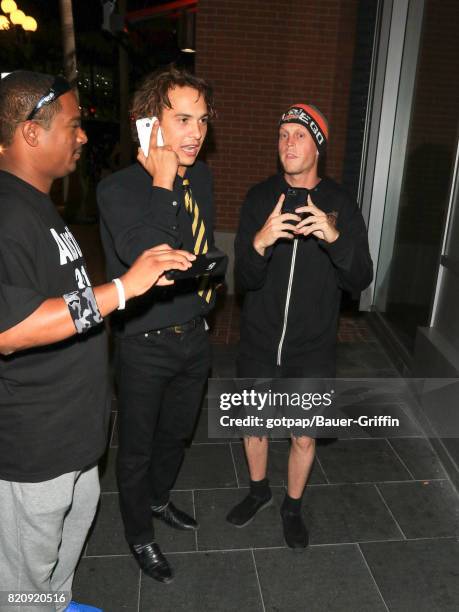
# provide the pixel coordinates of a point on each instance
(295, 532)
(244, 513)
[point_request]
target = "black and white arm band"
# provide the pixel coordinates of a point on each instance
(83, 309)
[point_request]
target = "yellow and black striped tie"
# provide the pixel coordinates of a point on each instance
(200, 241)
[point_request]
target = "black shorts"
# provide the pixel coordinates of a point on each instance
(281, 420)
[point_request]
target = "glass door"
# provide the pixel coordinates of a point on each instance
(420, 172)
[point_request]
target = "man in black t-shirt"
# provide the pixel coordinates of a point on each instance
(54, 399)
(163, 352)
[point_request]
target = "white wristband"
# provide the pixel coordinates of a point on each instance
(121, 295)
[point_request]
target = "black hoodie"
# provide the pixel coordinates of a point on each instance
(293, 292)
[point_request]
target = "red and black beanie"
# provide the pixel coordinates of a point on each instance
(312, 119)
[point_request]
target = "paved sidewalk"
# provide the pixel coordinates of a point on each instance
(382, 513)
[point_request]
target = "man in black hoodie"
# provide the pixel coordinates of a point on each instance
(293, 269)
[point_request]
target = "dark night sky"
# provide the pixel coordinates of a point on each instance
(87, 14)
(155, 38)
(149, 44)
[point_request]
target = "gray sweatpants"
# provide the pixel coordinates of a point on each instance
(43, 527)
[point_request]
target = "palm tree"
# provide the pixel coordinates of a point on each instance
(68, 42)
(125, 130)
(74, 184)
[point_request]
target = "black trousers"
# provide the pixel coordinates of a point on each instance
(161, 378)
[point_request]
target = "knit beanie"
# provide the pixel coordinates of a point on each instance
(312, 119)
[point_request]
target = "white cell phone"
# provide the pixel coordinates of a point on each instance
(144, 127)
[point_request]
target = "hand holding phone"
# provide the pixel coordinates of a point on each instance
(294, 198)
(160, 161)
(277, 225)
(144, 127)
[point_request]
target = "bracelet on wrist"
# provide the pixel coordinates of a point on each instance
(121, 294)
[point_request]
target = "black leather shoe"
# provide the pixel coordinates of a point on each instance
(152, 562)
(175, 518)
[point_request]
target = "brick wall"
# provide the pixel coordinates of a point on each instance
(261, 57)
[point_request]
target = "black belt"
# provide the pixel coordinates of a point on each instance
(179, 329)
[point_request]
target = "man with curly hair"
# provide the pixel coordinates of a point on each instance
(162, 346)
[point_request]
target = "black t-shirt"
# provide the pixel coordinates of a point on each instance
(54, 400)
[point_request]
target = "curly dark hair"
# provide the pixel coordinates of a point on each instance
(153, 94)
(19, 92)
